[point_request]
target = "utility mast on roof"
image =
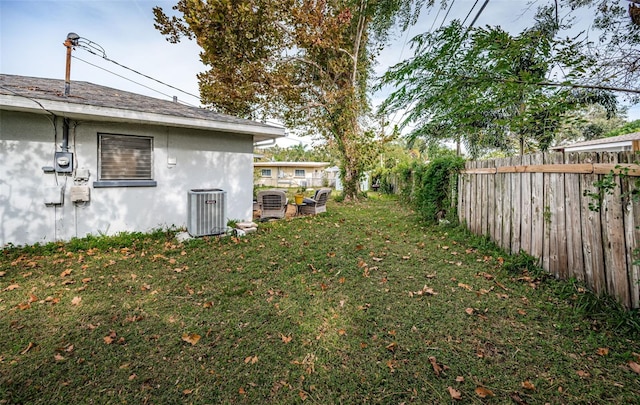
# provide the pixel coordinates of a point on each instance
(72, 40)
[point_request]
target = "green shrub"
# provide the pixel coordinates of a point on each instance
(435, 188)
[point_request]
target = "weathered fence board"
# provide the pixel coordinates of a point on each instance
(499, 195)
(614, 245)
(531, 203)
(575, 258)
(484, 217)
(491, 203)
(632, 232)
(525, 218)
(537, 210)
(506, 208)
(548, 257)
(516, 206)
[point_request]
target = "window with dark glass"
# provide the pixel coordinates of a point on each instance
(124, 160)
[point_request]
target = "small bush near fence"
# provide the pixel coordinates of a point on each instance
(430, 188)
(435, 192)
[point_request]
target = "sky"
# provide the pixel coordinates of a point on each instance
(32, 33)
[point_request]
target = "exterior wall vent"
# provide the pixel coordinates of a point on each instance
(206, 212)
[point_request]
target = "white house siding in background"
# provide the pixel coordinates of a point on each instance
(292, 174)
(202, 160)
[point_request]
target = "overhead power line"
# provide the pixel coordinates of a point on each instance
(104, 56)
(470, 11)
(130, 80)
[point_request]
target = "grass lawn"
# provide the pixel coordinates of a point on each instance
(362, 304)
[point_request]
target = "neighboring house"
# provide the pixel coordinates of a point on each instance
(103, 161)
(628, 142)
(291, 174)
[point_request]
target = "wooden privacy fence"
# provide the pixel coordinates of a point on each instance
(537, 203)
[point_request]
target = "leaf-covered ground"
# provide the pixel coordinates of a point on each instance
(362, 304)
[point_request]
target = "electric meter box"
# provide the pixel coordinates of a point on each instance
(79, 193)
(63, 162)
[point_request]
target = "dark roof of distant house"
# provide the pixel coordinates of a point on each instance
(635, 136)
(91, 100)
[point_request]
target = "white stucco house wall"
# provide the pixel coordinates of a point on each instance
(103, 161)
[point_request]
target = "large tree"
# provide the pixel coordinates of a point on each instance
(307, 62)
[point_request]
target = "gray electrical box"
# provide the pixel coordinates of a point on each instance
(82, 174)
(63, 162)
(53, 195)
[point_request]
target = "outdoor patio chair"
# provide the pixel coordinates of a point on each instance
(272, 203)
(317, 204)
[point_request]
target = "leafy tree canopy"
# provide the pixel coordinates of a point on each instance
(491, 90)
(306, 62)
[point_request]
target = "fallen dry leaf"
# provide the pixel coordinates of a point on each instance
(251, 359)
(303, 395)
(528, 385)
(12, 287)
(208, 304)
(516, 398)
(583, 374)
(58, 357)
(32, 298)
(24, 305)
(602, 351)
(65, 273)
(425, 291)
(459, 378)
(465, 286)
(187, 391)
(455, 394)
(635, 367)
(110, 337)
(192, 338)
(76, 301)
(484, 392)
(469, 311)
(436, 367)
(285, 339)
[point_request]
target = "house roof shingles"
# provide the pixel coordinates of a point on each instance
(102, 101)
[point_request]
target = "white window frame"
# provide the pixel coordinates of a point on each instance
(296, 173)
(263, 172)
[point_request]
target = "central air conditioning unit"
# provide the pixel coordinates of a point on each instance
(206, 212)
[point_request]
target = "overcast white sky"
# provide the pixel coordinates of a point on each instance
(32, 33)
